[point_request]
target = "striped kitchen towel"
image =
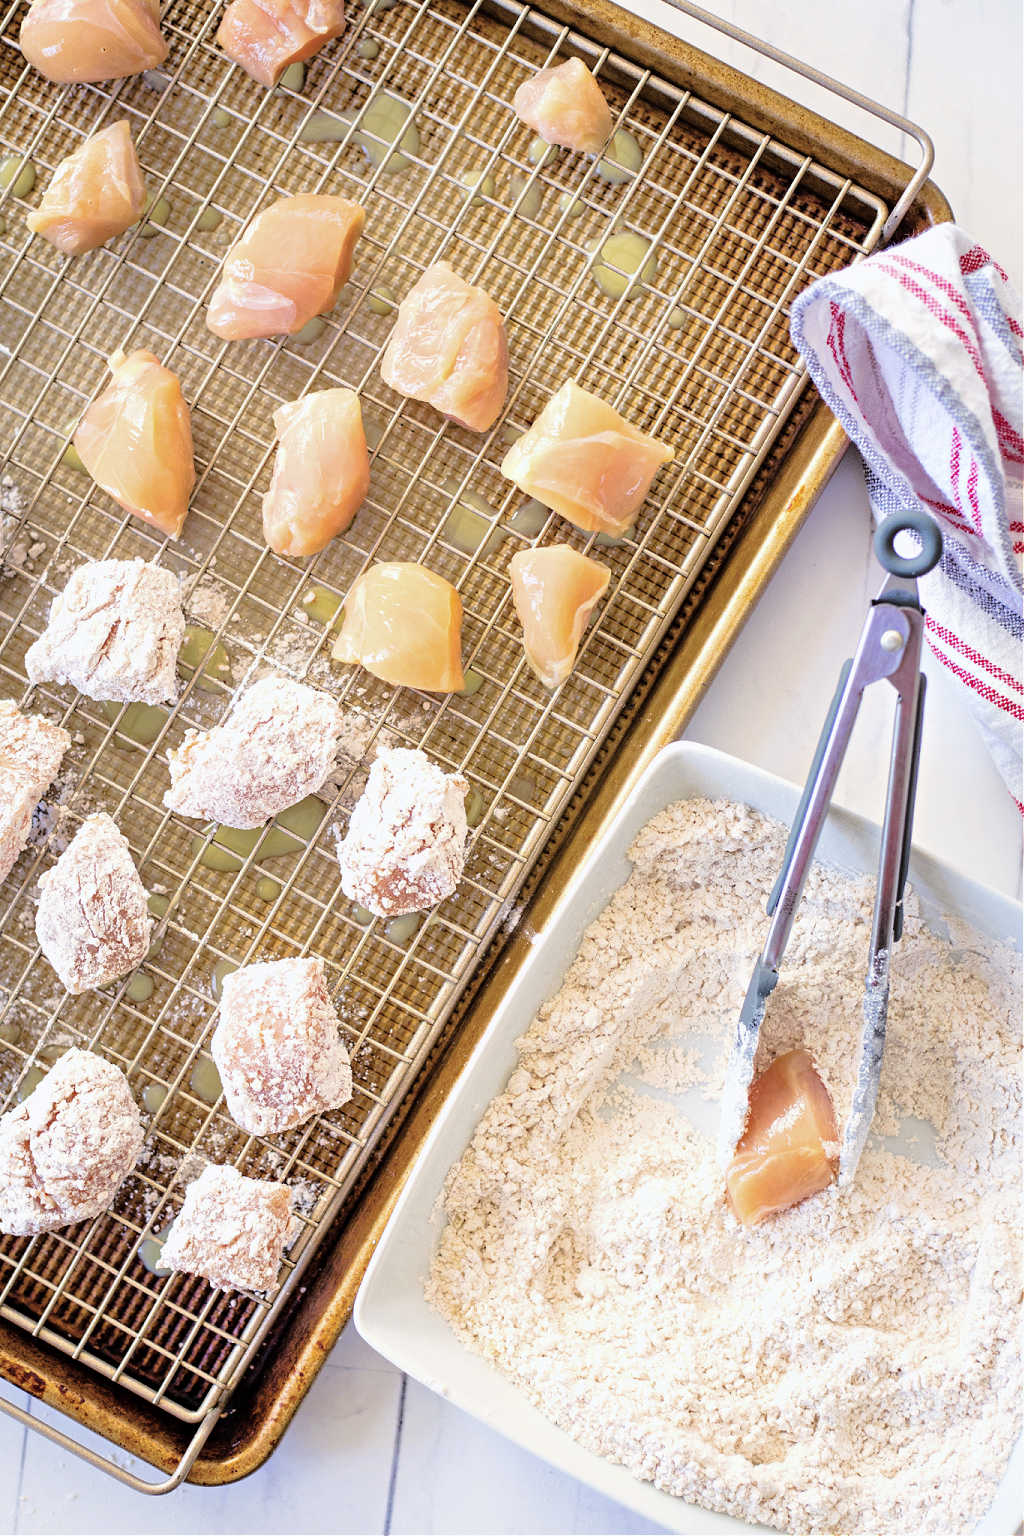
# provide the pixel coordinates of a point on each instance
(918, 352)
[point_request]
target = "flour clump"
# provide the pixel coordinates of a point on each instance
(113, 633)
(66, 1148)
(93, 922)
(405, 848)
(278, 744)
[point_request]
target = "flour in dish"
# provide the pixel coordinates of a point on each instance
(851, 1366)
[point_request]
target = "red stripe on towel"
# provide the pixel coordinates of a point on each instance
(941, 283)
(972, 655)
(935, 309)
(986, 691)
(1011, 443)
(976, 258)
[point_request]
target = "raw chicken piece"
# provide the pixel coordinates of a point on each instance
(789, 1149)
(231, 1230)
(586, 462)
(31, 751)
(265, 36)
(94, 194)
(321, 473)
(65, 1149)
(404, 624)
(277, 745)
(448, 348)
(93, 39)
(564, 106)
(113, 633)
(554, 590)
(135, 440)
(278, 1046)
(289, 265)
(93, 922)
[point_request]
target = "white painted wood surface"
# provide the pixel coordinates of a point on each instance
(368, 1452)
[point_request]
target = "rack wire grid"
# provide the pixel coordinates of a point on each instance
(696, 350)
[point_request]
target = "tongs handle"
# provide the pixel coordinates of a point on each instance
(922, 560)
(801, 810)
(908, 567)
(887, 919)
(872, 662)
(889, 648)
(908, 828)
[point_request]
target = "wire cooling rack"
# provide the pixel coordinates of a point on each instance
(696, 351)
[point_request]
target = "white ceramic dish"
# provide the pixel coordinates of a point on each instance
(391, 1312)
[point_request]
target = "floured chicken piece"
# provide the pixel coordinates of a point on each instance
(405, 848)
(265, 36)
(231, 1231)
(113, 633)
(278, 1046)
(321, 473)
(586, 462)
(135, 440)
(94, 194)
(93, 40)
(554, 590)
(564, 105)
(67, 1147)
(277, 745)
(93, 922)
(790, 1149)
(403, 623)
(448, 348)
(31, 752)
(288, 266)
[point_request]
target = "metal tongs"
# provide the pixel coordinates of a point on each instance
(890, 647)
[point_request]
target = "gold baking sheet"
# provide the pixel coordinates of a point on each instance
(740, 222)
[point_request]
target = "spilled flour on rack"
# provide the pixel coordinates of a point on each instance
(852, 1366)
